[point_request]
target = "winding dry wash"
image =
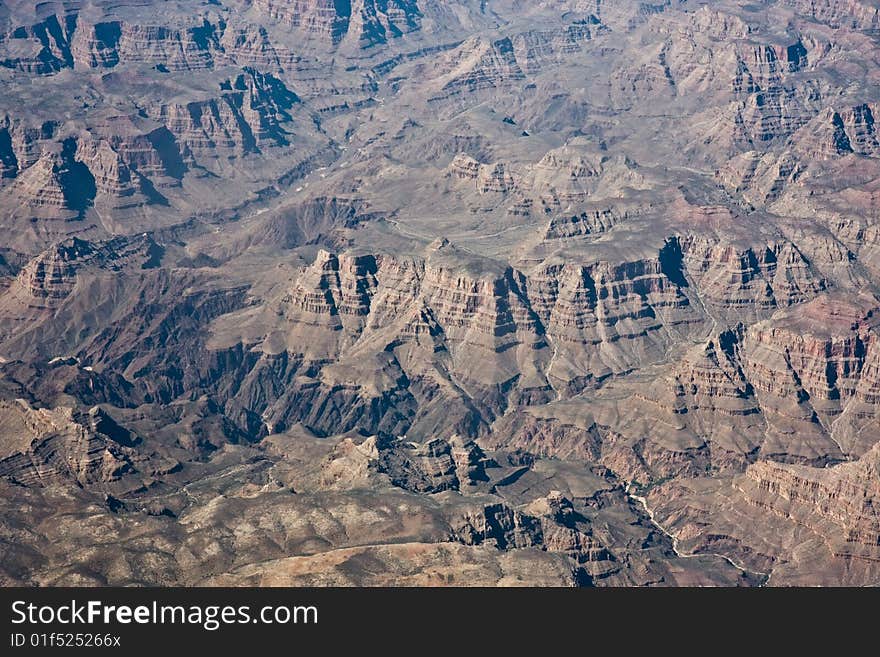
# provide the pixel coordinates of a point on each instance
(406, 292)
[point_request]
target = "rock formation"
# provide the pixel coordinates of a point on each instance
(404, 292)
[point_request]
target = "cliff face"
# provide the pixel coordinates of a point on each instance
(862, 16)
(840, 503)
(479, 64)
(754, 279)
(122, 172)
(244, 119)
(363, 22)
(506, 336)
(57, 444)
(203, 40)
(831, 509)
(41, 49)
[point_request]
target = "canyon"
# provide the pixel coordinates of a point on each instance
(406, 293)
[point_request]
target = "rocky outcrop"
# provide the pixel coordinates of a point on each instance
(322, 20)
(588, 222)
(761, 178)
(147, 148)
(745, 60)
(510, 336)
(857, 14)
(565, 531)
(373, 293)
(115, 182)
(546, 436)
(479, 64)
(96, 45)
(39, 49)
(435, 465)
(488, 178)
(736, 279)
(334, 287)
(549, 523)
(205, 129)
(28, 139)
(75, 40)
(567, 178)
(820, 377)
(752, 69)
(861, 129)
(72, 176)
(50, 277)
(365, 22)
(175, 48)
(245, 119)
(503, 526)
(538, 49)
(838, 503)
(375, 22)
(834, 134)
(79, 41)
(251, 45)
(57, 444)
(783, 389)
(40, 189)
(617, 309)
